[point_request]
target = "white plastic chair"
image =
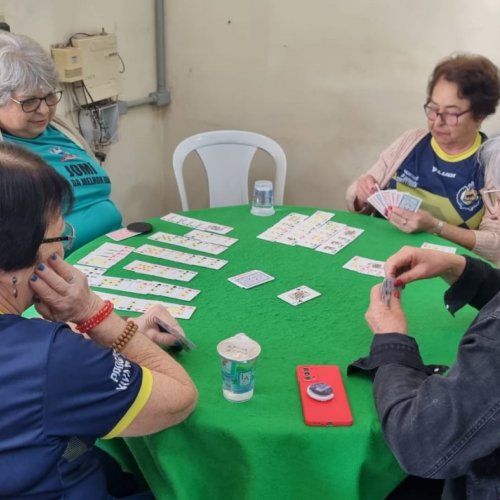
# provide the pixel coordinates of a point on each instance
(226, 156)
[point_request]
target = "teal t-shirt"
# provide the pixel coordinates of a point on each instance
(93, 214)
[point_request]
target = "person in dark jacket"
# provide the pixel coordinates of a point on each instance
(440, 426)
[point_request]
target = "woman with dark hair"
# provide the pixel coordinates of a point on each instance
(439, 164)
(29, 94)
(62, 390)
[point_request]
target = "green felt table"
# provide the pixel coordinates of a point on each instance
(261, 448)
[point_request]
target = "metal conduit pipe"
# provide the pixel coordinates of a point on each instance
(161, 97)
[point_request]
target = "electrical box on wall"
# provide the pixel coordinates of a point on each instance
(100, 63)
(68, 61)
(99, 124)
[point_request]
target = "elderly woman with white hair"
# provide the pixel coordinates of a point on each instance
(489, 155)
(29, 94)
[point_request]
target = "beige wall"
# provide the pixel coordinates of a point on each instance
(333, 81)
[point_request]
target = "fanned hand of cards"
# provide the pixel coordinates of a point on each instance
(382, 200)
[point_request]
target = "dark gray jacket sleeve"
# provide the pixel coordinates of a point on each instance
(438, 425)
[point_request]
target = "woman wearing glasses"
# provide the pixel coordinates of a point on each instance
(29, 95)
(61, 391)
(439, 164)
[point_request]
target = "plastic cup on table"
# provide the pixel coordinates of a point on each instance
(263, 198)
(238, 358)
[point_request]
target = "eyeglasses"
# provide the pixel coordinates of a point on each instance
(66, 238)
(491, 200)
(33, 103)
(450, 119)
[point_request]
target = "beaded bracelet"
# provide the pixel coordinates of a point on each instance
(126, 335)
(92, 322)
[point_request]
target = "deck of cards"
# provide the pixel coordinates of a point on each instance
(388, 288)
(382, 200)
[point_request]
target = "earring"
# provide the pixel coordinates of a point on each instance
(14, 286)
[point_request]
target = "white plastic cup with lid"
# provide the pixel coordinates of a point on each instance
(263, 198)
(238, 358)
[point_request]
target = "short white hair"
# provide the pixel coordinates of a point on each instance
(25, 67)
(489, 157)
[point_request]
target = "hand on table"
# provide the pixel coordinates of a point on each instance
(410, 264)
(62, 292)
(385, 318)
(150, 328)
(411, 222)
(365, 187)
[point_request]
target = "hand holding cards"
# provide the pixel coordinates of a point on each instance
(382, 200)
(388, 288)
(184, 342)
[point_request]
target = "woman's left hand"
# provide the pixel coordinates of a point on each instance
(411, 222)
(61, 292)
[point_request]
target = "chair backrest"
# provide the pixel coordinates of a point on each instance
(226, 156)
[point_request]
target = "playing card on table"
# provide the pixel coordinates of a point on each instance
(92, 273)
(121, 234)
(251, 278)
(299, 295)
(313, 222)
(216, 239)
(173, 273)
(191, 243)
(196, 223)
(340, 239)
(107, 255)
(146, 287)
(131, 304)
(366, 266)
(441, 248)
(283, 226)
(320, 235)
(184, 257)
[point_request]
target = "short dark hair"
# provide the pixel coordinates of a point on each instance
(31, 194)
(477, 79)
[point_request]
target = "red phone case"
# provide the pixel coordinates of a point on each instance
(336, 411)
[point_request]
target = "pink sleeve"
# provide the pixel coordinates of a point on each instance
(388, 162)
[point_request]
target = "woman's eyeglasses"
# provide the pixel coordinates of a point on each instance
(33, 103)
(66, 238)
(450, 119)
(491, 200)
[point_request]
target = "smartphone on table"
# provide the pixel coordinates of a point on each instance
(323, 395)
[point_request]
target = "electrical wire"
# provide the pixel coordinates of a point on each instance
(100, 133)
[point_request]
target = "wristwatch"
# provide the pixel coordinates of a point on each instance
(438, 229)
